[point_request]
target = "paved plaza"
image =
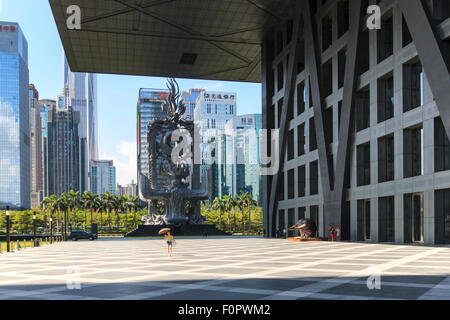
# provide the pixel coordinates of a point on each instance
(225, 269)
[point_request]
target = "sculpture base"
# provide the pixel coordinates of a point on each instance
(298, 239)
(184, 230)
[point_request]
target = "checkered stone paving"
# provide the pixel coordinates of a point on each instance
(225, 269)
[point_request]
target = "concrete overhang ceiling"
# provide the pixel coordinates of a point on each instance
(202, 39)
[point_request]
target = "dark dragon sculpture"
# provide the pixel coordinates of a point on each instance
(169, 181)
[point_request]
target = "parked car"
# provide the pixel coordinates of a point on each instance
(80, 234)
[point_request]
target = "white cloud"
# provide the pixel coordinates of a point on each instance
(125, 161)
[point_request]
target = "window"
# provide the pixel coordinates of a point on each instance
(412, 152)
(301, 140)
(208, 108)
(385, 159)
(291, 184)
(385, 99)
(343, 18)
(440, 9)
(301, 98)
(442, 216)
(342, 59)
(385, 39)
(327, 79)
(363, 165)
(406, 35)
(441, 147)
(280, 76)
(327, 33)
(314, 178)
(312, 135)
(301, 182)
(290, 145)
(362, 107)
(386, 219)
(412, 86)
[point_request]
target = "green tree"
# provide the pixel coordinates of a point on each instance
(241, 203)
(73, 202)
(51, 204)
(134, 206)
(63, 205)
(249, 203)
(228, 204)
(219, 205)
(87, 201)
(107, 200)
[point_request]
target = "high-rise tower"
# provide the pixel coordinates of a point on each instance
(14, 118)
(80, 90)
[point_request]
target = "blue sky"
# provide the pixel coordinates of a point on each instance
(117, 94)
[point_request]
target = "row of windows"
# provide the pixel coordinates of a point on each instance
(412, 161)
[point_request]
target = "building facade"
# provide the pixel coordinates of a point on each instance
(45, 106)
(102, 177)
(80, 92)
(63, 150)
(36, 164)
(190, 101)
(128, 190)
(14, 118)
(212, 111)
(363, 144)
(148, 109)
(242, 159)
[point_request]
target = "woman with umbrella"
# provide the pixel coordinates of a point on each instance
(168, 238)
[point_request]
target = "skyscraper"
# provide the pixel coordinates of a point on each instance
(36, 168)
(14, 118)
(148, 109)
(102, 177)
(190, 100)
(63, 150)
(242, 134)
(45, 105)
(212, 111)
(80, 90)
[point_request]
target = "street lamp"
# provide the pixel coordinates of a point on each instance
(51, 230)
(34, 228)
(7, 230)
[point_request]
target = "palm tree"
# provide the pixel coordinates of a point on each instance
(219, 204)
(63, 205)
(241, 203)
(99, 206)
(73, 202)
(116, 205)
(107, 201)
(228, 202)
(250, 202)
(234, 204)
(51, 203)
(87, 201)
(134, 205)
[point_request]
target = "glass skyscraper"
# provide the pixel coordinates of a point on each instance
(242, 166)
(14, 118)
(148, 109)
(190, 100)
(103, 177)
(80, 91)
